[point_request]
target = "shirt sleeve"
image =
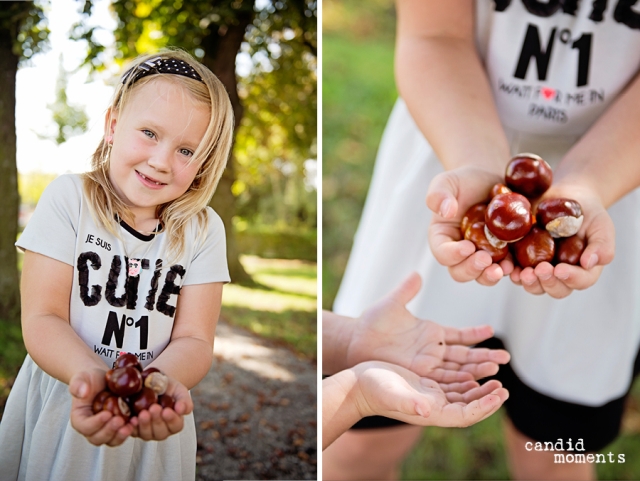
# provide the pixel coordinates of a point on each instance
(209, 264)
(53, 227)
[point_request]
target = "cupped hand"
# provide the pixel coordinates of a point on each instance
(388, 390)
(156, 423)
(389, 332)
(598, 231)
(101, 428)
(450, 195)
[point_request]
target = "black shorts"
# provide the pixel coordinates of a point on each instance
(544, 418)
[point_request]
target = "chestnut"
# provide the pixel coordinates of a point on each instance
(561, 217)
(118, 407)
(126, 359)
(508, 217)
(476, 234)
(474, 214)
(142, 400)
(124, 381)
(156, 380)
(529, 175)
(569, 250)
(536, 247)
(98, 401)
(499, 189)
(165, 401)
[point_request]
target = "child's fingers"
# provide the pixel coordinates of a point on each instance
(407, 290)
(575, 277)
(601, 243)
(107, 433)
(87, 424)
(466, 355)
(441, 195)
(471, 268)
(482, 370)
(474, 392)
(446, 246)
(458, 387)
(121, 435)
(449, 375)
(490, 276)
(530, 282)
(461, 415)
(550, 283)
(158, 425)
(467, 335)
(173, 420)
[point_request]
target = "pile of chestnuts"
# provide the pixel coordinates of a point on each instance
(130, 389)
(507, 222)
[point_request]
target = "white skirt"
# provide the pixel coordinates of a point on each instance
(37, 441)
(579, 349)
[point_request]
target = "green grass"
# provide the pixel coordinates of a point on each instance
(281, 307)
(358, 95)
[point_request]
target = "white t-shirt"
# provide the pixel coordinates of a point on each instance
(114, 308)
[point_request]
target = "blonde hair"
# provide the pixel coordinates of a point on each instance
(211, 154)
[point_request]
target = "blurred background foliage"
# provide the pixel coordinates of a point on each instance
(358, 90)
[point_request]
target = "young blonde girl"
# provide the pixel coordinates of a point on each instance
(127, 257)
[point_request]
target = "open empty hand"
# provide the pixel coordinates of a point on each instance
(389, 332)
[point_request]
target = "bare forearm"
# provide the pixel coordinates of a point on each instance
(57, 349)
(186, 359)
(607, 157)
(336, 336)
(446, 90)
(339, 409)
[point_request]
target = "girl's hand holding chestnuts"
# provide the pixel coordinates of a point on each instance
(451, 194)
(127, 401)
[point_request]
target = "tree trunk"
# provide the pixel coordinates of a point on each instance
(221, 48)
(9, 197)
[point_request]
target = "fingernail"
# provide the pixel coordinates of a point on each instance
(83, 390)
(444, 207)
(563, 275)
(419, 410)
(544, 277)
(593, 260)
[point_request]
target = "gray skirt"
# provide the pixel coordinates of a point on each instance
(37, 441)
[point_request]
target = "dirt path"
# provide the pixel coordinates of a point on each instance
(255, 411)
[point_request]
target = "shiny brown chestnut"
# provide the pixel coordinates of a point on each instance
(124, 381)
(98, 401)
(474, 214)
(118, 407)
(156, 380)
(529, 175)
(476, 234)
(508, 217)
(561, 217)
(536, 247)
(569, 250)
(142, 400)
(499, 189)
(126, 359)
(165, 401)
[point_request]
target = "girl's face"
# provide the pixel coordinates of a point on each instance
(154, 137)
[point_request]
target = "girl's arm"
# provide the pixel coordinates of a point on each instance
(47, 333)
(57, 349)
(189, 354)
(337, 333)
(443, 82)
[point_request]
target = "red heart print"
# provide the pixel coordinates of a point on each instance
(548, 93)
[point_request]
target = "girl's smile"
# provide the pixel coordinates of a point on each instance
(154, 139)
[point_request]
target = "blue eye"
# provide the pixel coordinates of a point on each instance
(186, 152)
(149, 134)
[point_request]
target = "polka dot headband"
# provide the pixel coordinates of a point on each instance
(161, 65)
